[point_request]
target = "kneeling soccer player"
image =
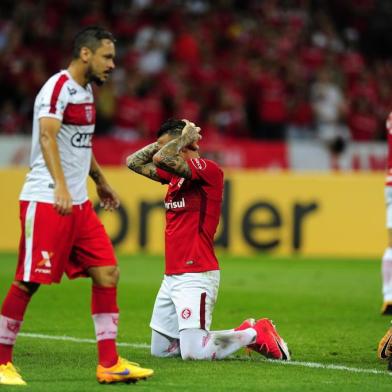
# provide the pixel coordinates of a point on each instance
(183, 308)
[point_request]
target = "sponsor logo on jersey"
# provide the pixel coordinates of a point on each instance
(45, 264)
(199, 164)
(71, 91)
(171, 205)
(186, 313)
(82, 140)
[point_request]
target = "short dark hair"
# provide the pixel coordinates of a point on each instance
(171, 127)
(90, 37)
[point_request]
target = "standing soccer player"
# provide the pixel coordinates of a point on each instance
(385, 345)
(183, 308)
(387, 258)
(60, 230)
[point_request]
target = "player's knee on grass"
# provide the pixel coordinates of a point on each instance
(191, 344)
(107, 276)
(28, 287)
(164, 346)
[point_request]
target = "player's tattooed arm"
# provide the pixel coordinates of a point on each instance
(169, 159)
(141, 161)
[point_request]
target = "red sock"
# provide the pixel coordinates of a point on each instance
(14, 307)
(5, 353)
(105, 315)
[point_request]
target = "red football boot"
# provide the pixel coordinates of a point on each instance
(268, 341)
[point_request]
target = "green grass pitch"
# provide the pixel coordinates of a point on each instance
(327, 311)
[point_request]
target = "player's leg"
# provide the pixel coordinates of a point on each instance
(41, 254)
(260, 336)
(194, 296)
(387, 258)
(105, 312)
(93, 256)
(387, 277)
(207, 345)
(164, 324)
(11, 319)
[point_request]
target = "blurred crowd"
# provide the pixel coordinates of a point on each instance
(264, 69)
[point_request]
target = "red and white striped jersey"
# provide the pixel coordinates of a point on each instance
(62, 98)
(388, 180)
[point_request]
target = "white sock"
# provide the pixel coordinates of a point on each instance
(387, 275)
(201, 344)
(164, 346)
(9, 329)
(106, 326)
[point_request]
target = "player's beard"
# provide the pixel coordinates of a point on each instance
(92, 77)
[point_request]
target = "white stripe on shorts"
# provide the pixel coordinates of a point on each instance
(29, 231)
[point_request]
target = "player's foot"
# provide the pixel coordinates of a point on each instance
(122, 371)
(10, 376)
(248, 323)
(386, 308)
(384, 350)
(268, 341)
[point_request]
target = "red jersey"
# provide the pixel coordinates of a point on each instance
(192, 215)
(388, 180)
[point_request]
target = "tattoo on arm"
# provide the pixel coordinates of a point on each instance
(141, 162)
(169, 158)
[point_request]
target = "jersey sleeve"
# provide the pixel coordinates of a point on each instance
(205, 170)
(164, 176)
(54, 99)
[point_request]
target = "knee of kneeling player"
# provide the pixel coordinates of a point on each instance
(155, 352)
(192, 355)
(192, 352)
(191, 344)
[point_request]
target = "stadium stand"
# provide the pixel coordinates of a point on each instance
(269, 69)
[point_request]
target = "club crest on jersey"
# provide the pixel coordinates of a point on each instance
(171, 205)
(198, 163)
(186, 313)
(82, 140)
(89, 113)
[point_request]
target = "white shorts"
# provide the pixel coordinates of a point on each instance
(185, 301)
(388, 202)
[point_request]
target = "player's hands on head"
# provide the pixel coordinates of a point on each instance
(109, 199)
(192, 134)
(62, 199)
